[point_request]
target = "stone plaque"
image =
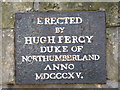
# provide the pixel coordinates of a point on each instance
(60, 47)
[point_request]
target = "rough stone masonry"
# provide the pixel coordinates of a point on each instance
(8, 10)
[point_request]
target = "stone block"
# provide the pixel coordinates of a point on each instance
(63, 86)
(119, 53)
(0, 15)
(0, 56)
(8, 63)
(112, 53)
(112, 84)
(10, 8)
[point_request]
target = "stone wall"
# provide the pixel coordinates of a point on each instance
(7, 33)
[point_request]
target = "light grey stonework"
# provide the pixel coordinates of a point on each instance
(0, 56)
(112, 84)
(119, 54)
(7, 41)
(10, 8)
(8, 63)
(112, 53)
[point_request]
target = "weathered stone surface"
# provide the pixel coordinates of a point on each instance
(36, 6)
(0, 15)
(64, 86)
(111, 9)
(0, 56)
(112, 84)
(8, 62)
(112, 53)
(119, 53)
(0, 87)
(109, 84)
(49, 6)
(8, 74)
(10, 8)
